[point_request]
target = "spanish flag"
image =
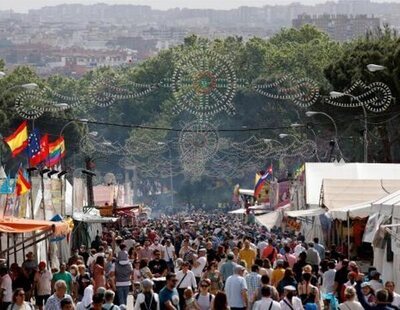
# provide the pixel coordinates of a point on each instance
(18, 141)
(22, 185)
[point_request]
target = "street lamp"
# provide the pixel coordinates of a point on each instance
(81, 120)
(170, 172)
(62, 105)
(313, 113)
(272, 140)
(29, 86)
(297, 125)
(106, 143)
(335, 94)
(375, 68)
(285, 135)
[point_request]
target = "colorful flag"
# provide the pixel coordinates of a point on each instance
(56, 152)
(18, 141)
(299, 171)
(37, 152)
(7, 187)
(261, 179)
(22, 184)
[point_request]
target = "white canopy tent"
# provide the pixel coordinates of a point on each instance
(360, 210)
(347, 193)
(382, 210)
(271, 219)
(306, 213)
(315, 173)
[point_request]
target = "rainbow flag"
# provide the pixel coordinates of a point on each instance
(18, 141)
(56, 152)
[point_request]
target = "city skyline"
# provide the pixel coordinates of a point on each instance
(24, 6)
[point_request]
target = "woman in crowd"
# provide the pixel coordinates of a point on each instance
(99, 279)
(215, 278)
(220, 301)
(19, 302)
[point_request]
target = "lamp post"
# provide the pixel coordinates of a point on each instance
(170, 172)
(308, 126)
(335, 94)
(335, 139)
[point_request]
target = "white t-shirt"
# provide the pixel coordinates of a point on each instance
(169, 253)
(43, 282)
(350, 305)
(188, 281)
(140, 299)
(265, 304)
(204, 301)
(262, 245)
(198, 271)
(296, 304)
(396, 300)
(6, 285)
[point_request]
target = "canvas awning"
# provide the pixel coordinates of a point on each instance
(248, 192)
(341, 193)
(270, 220)
(19, 226)
(93, 218)
(243, 211)
(305, 213)
(361, 210)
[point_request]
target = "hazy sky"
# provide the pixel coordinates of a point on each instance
(24, 5)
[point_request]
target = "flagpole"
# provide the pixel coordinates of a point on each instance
(35, 249)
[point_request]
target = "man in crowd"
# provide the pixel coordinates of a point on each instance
(168, 296)
(228, 268)
(60, 292)
(236, 290)
(65, 276)
(42, 283)
(199, 264)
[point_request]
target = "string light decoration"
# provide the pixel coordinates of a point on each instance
(204, 83)
(104, 91)
(31, 104)
(198, 140)
(90, 145)
(303, 92)
(375, 97)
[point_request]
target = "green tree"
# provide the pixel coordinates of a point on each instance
(379, 47)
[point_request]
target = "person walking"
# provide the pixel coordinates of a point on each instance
(228, 267)
(60, 292)
(266, 302)
(185, 279)
(147, 299)
(6, 292)
(169, 296)
(123, 272)
(42, 281)
(236, 290)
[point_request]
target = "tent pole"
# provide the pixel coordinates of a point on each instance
(348, 235)
(23, 245)
(8, 250)
(15, 253)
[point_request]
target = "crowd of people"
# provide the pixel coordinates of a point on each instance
(212, 262)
